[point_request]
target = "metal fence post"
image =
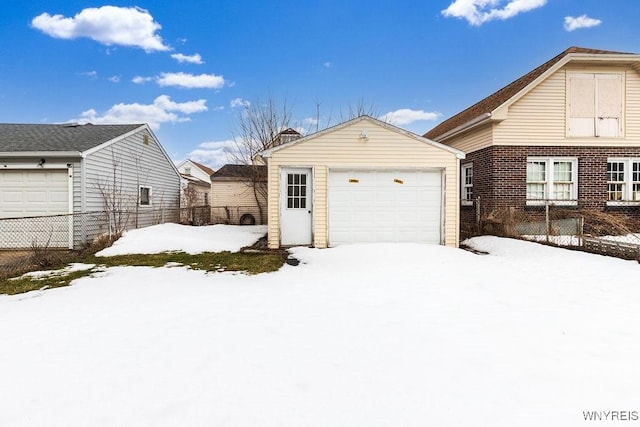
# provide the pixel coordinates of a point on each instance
(546, 216)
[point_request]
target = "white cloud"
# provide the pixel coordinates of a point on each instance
(327, 65)
(192, 59)
(162, 110)
(405, 116)
(239, 102)
(114, 79)
(572, 23)
(190, 81)
(90, 74)
(109, 25)
(214, 154)
(477, 12)
(310, 121)
(141, 80)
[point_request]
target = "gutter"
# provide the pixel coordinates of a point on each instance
(16, 154)
(478, 121)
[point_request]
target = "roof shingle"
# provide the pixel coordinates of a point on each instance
(241, 171)
(59, 137)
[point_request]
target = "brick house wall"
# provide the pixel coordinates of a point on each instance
(499, 179)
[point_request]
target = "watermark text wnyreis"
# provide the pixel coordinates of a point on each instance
(611, 415)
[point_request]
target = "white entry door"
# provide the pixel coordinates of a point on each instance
(295, 206)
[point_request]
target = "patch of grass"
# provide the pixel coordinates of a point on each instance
(251, 263)
(27, 283)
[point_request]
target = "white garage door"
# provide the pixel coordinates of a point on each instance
(385, 206)
(33, 193)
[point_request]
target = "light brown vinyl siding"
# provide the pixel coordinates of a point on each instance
(232, 193)
(474, 140)
(236, 196)
(343, 147)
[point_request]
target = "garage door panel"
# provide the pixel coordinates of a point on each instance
(11, 197)
(384, 206)
(34, 193)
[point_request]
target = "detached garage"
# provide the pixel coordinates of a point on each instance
(362, 181)
(58, 182)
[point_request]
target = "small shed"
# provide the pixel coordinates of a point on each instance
(239, 194)
(362, 181)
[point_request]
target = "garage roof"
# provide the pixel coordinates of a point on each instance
(68, 137)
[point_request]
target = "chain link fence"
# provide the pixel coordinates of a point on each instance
(38, 242)
(612, 232)
(32, 243)
(239, 215)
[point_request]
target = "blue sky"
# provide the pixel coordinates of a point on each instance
(188, 67)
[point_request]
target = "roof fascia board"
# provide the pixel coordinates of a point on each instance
(459, 154)
(14, 154)
(471, 124)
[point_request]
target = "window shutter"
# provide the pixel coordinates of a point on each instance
(609, 105)
(582, 96)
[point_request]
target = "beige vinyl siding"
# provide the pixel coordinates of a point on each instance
(474, 140)
(539, 117)
(343, 147)
(232, 193)
(238, 197)
(632, 111)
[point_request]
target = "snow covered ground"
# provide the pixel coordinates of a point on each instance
(360, 335)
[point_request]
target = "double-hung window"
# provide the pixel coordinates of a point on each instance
(595, 104)
(552, 179)
(466, 179)
(623, 181)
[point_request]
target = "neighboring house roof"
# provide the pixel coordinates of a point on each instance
(267, 153)
(229, 172)
(289, 131)
(204, 168)
(190, 179)
(58, 138)
(482, 109)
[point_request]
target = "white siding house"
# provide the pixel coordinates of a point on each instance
(77, 169)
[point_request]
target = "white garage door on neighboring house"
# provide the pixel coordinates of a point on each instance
(385, 206)
(34, 193)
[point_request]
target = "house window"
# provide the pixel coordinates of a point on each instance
(466, 191)
(623, 181)
(296, 191)
(187, 170)
(552, 179)
(594, 106)
(145, 196)
(206, 199)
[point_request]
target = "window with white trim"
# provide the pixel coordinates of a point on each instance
(554, 179)
(623, 180)
(145, 196)
(466, 181)
(595, 104)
